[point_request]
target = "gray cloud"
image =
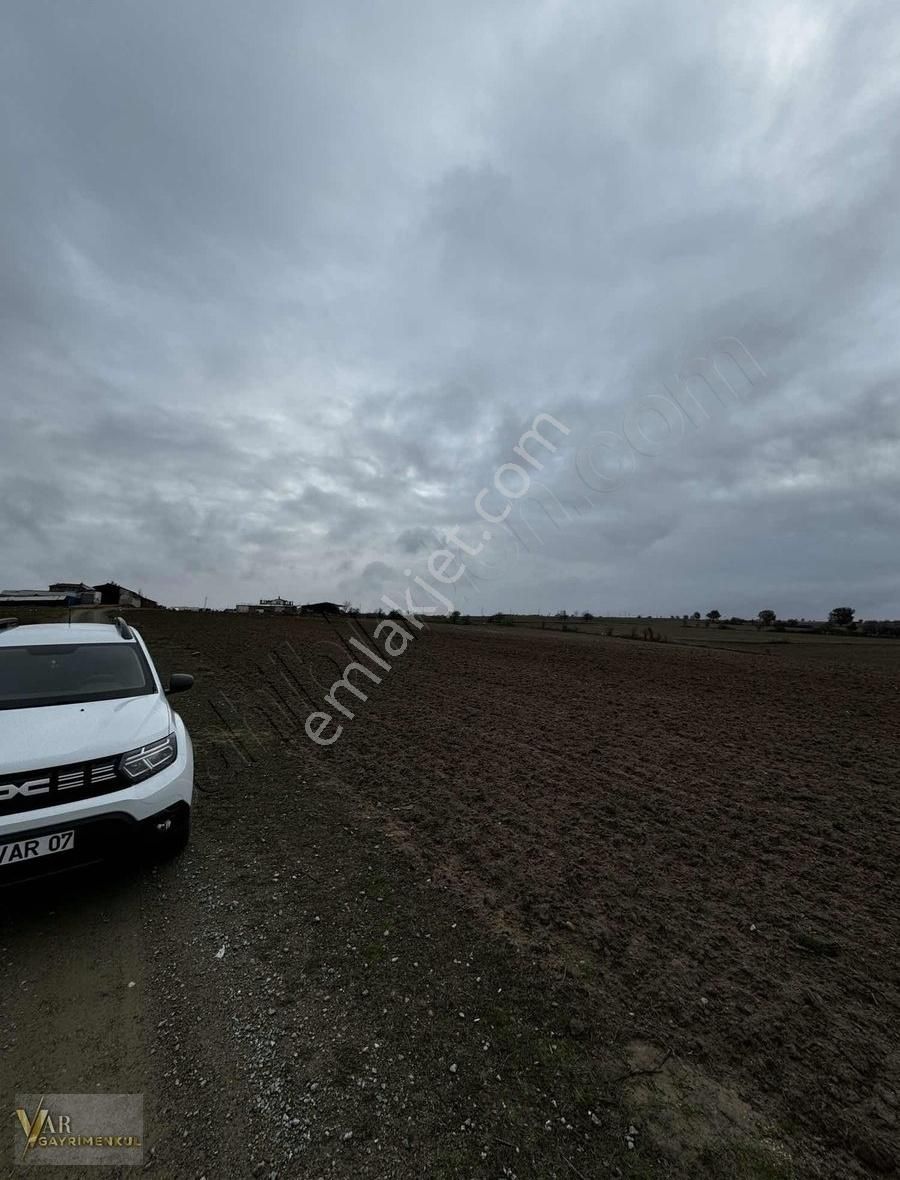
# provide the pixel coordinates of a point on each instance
(278, 297)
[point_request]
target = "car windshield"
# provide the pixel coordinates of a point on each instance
(69, 673)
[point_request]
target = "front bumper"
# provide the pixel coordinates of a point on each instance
(107, 837)
(175, 784)
(104, 824)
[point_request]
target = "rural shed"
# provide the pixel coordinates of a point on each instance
(32, 598)
(112, 594)
(79, 592)
(321, 608)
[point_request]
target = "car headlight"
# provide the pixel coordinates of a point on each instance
(140, 764)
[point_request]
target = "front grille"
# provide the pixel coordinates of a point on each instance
(34, 789)
(90, 774)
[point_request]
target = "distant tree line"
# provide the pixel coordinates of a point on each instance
(843, 617)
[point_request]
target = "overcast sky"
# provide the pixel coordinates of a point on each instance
(283, 283)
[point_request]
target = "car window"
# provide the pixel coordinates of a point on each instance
(67, 673)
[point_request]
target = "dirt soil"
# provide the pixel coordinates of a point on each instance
(553, 906)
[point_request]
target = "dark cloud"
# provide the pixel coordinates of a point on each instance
(279, 297)
(418, 540)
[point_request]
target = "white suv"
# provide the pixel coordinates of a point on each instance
(91, 751)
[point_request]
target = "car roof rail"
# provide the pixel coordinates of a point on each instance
(8, 624)
(123, 628)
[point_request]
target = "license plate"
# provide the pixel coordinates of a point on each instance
(38, 846)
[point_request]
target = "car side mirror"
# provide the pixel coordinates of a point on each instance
(179, 682)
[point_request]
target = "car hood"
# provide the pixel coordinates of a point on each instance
(55, 735)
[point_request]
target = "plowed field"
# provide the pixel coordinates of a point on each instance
(552, 905)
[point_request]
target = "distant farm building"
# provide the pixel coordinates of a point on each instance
(77, 594)
(112, 594)
(321, 608)
(83, 594)
(32, 598)
(267, 606)
(285, 606)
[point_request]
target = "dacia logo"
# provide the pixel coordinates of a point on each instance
(34, 786)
